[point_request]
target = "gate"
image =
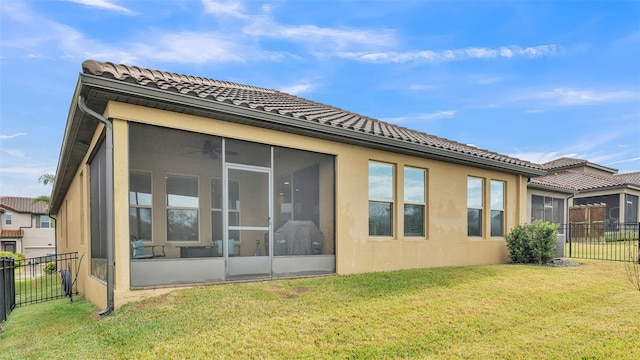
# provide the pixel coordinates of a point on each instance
(602, 241)
(36, 280)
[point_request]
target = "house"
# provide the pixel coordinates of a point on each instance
(26, 227)
(168, 180)
(572, 182)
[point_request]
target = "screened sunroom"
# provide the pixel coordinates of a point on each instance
(204, 208)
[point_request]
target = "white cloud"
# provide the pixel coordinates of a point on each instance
(297, 89)
(542, 157)
(485, 79)
(537, 111)
(320, 36)
(423, 117)
(596, 149)
(229, 8)
(60, 41)
(14, 153)
(191, 47)
(421, 87)
(27, 171)
(634, 159)
(104, 4)
(450, 54)
(4, 137)
(573, 97)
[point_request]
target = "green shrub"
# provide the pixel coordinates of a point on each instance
(532, 243)
(50, 268)
(19, 258)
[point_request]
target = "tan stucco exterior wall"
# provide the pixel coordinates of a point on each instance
(73, 231)
(446, 241)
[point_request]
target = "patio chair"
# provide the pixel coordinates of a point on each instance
(138, 249)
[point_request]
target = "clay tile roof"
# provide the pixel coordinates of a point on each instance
(274, 101)
(563, 162)
(569, 163)
(11, 234)
(23, 205)
(578, 181)
(630, 178)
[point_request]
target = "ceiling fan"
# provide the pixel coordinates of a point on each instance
(211, 150)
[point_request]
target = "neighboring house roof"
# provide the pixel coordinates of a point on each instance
(23, 205)
(570, 163)
(630, 178)
(11, 234)
(578, 181)
(255, 106)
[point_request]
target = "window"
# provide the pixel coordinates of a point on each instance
(182, 208)
(140, 205)
(546, 208)
(497, 208)
(380, 199)
(475, 201)
(9, 246)
(7, 219)
(414, 202)
(45, 221)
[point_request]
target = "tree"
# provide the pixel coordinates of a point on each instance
(43, 198)
(45, 179)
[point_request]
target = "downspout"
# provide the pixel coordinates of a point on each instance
(109, 200)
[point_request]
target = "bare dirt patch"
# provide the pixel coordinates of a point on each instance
(288, 296)
(274, 288)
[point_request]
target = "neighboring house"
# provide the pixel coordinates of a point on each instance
(571, 182)
(235, 182)
(25, 227)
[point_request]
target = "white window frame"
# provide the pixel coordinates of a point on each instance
(8, 220)
(168, 207)
(481, 207)
(422, 203)
(500, 209)
(391, 201)
(48, 221)
(136, 206)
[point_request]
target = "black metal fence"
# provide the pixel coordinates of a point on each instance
(7, 281)
(601, 242)
(36, 280)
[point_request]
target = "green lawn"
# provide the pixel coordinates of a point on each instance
(478, 312)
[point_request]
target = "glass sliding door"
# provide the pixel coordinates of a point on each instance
(248, 221)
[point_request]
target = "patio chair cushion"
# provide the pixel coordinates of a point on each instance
(138, 249)
(232, 249)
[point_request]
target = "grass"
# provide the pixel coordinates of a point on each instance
(497, 311)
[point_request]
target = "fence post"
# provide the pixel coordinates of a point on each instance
(638, 235)
(7, 281)
(3, 307)
(569, 227)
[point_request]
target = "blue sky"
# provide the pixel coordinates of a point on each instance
(532, 79)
